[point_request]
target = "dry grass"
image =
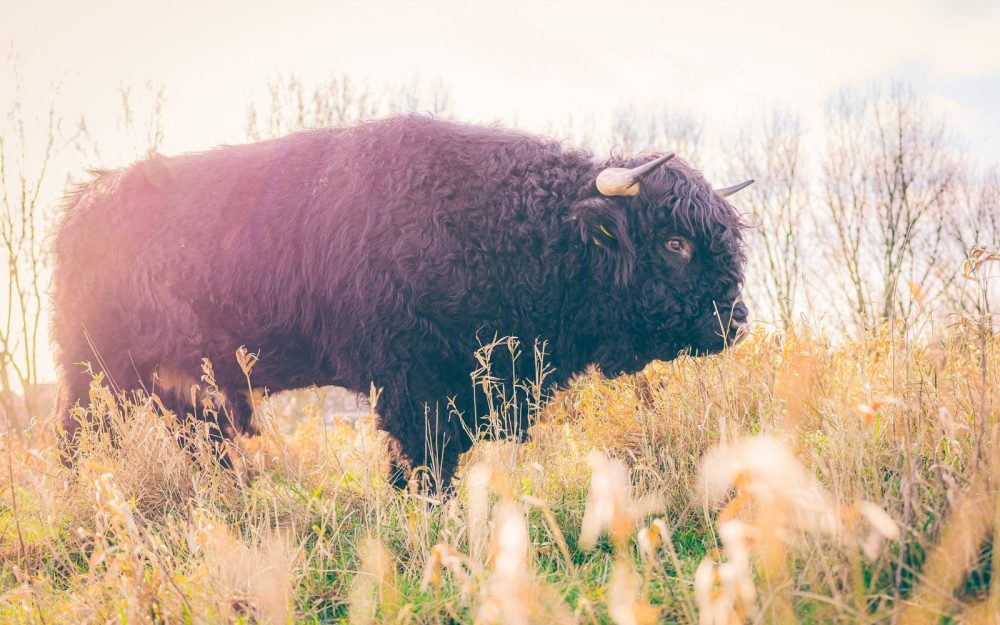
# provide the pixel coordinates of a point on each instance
(788, 480)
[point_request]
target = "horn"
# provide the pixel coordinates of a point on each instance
(620, 181)
(726, 192)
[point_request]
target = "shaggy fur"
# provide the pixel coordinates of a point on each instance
(384, 253)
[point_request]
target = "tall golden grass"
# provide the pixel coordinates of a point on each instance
(791, 479)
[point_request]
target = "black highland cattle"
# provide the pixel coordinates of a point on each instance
(384, 253)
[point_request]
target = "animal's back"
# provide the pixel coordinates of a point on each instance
(321, 240)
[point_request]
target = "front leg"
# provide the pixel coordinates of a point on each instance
(425, 435)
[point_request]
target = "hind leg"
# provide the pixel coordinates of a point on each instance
(224, 404)
(201, 419)
(74, 387)
(74, 408)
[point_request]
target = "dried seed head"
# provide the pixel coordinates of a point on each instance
(246, 359)
(626, 603)
(879, 519)
(651, 538)
(444, 557)
(510, 560)
(477, 493)
(763, 470)
(509, 595)
(373, 585)
(608, 502)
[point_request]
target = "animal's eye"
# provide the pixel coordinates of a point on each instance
(677, 244)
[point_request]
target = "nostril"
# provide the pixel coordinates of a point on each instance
(740, 314)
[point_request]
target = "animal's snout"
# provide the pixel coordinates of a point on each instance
(724, 326)
(738, 330)
(739, 312)
(732, 322)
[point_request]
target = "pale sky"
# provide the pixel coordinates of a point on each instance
(529, 63)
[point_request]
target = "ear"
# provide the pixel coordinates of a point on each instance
(602, 225)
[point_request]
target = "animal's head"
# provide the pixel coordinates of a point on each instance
(668, 250)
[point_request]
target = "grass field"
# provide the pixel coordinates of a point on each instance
(791, 479)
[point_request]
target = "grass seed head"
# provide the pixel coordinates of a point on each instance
(609, 503)
(764, 472)
(374, 594)
(627, 603)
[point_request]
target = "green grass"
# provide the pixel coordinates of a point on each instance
(173, 538)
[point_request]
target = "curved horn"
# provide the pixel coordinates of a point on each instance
(726, 192)
(620, 181)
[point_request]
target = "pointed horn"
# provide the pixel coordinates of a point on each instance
(640, 172)
(615, 181)
(726, 192)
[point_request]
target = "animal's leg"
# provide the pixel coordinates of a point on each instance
(73, 392)
(216, 427)
(73, 402)
(240, 409)
(230, 409)
(424, 438)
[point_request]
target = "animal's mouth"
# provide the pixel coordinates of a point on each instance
(635, 365)
(623, 365)
(731, 335)
(739, 331)
(732, 328)
(719, 337)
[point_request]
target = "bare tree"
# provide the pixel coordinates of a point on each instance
(292, 105)
(976, 224)
(417, 96)
(577, 130)
(138, 130)
(887, 173)
(681, 132)
(630, 130)
(668, 130)
(33, 174)
(778, 202)
(337, 101)
(25, 172)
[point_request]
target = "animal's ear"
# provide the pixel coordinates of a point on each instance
(602, 224)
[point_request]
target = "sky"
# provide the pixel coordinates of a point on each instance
(533, 64)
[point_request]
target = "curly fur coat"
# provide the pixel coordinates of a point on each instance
(385, 253)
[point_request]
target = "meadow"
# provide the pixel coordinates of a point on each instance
(843, 469)
(790, 479)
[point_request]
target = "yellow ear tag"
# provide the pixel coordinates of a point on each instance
(605, 231)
